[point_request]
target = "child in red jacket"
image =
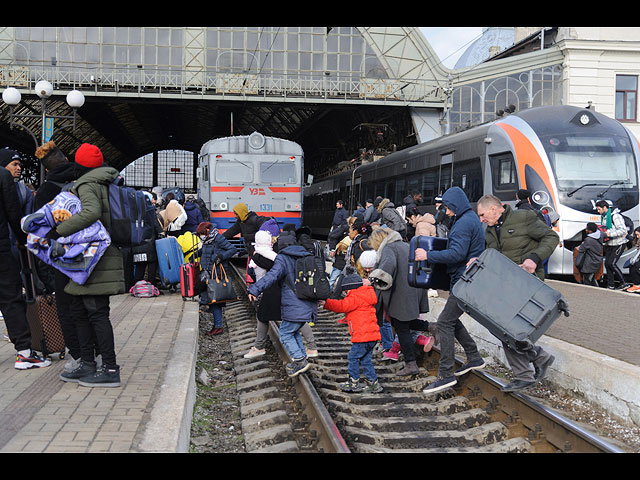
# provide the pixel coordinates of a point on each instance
(360, 307)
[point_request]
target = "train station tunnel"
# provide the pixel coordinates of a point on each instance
(342, 93)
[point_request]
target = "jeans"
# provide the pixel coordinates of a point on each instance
(386, 332)
(91, 313)
(216, 311)
(335, 273)
(360, 355)
(292, 339)
(450, 329)
(523, 364)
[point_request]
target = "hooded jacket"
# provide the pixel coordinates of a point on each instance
(592, 248)
(466, 236)
(249, 223)
(292, 308)
(360, 307)
(56, 179)
(390, 217)
(194, 217)
(92, 189)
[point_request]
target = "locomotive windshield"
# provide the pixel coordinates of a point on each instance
(277, 172)
(592, 167)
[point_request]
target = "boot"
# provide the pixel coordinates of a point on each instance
(410, 368)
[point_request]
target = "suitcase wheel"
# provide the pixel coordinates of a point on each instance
(62, 355)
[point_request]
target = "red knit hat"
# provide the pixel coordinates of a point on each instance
(89, 156)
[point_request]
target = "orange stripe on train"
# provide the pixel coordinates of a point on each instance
(526, 154)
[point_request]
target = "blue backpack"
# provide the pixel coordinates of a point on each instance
(132, 216)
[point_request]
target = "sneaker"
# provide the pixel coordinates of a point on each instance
(352, 385)
(32, 361)
(517, 385)
(105, 377)
(312, 353)
(372, 387)
(215, 331)
(254, 352)
(440, 384)
(297, 367)
(432, 293)
(467, 367)
(83, 369)
(634, 288)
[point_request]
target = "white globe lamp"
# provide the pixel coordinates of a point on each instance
(43, 89)
(11, 96)
(75, 99)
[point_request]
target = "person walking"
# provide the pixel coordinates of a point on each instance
(295, 313)
(398, 302)
(521, 237)
(615, 242)
(216, 250)
(360, 307)
(90, 301)
(465, 241)
(339, 216)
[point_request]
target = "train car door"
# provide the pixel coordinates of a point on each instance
(204, 185)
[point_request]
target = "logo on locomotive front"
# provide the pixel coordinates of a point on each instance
(256, 191)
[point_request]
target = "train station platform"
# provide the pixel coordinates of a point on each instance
(156, 346)
(597, 352)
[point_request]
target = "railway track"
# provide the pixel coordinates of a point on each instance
(309, 413)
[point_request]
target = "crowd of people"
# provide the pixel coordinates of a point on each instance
(367, 250)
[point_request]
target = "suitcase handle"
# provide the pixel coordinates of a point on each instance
(469, 273)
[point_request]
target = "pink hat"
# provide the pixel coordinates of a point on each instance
(89, 156)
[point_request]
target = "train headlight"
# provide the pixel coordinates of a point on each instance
(540, 197)
(224, 206)
(256, 140)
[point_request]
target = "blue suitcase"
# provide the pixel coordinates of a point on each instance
(422, 274)
(170, 259)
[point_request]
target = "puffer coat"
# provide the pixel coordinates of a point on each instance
(360, 307)
(92, 189)
(292, 308)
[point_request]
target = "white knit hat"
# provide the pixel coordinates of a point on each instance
(368, 259)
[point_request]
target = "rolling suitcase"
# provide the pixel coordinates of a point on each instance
(170, 258)
(188, 278)
(42, 314)
(421, 274)
(514, 305)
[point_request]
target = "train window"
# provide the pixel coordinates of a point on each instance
(277, 172)
(626, 97)
(233, 172)
(468, 176)
(504, 176)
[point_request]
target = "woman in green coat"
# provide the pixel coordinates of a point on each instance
(90, 302)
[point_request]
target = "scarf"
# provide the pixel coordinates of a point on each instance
(606, 219)
(213, 233)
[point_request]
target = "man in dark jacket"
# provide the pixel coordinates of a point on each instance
(520, 236)
(465, 241)
(340, 215)
(90, 302)
(294, 311)
(194, 215)
(247, 224)
(12, 305)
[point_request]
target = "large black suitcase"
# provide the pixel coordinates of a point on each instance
(514, 305)
(422, 274)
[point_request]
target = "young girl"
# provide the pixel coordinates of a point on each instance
(215, 250)
(360, 307)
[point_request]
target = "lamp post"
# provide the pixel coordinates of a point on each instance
(11, 96)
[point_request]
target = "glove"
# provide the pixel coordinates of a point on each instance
(52, 235)
(217, 259)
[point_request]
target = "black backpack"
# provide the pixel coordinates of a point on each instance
(630, 227)
(311, 280)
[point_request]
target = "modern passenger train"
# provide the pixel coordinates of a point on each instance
(568, 157)
(265, 173)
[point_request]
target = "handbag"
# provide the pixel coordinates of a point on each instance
(219, 286)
